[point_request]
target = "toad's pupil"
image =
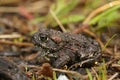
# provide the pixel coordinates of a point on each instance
(42, 37)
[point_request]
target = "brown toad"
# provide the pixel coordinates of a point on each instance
(66, 48)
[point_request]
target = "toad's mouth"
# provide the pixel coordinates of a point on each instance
(47, 48)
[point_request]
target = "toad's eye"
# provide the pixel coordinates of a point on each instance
(43, 37)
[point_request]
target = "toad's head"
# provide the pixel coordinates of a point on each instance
(48, 39)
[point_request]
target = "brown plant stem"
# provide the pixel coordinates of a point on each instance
(16, 43)
(57, 20)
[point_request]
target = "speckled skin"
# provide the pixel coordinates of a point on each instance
(66, 48)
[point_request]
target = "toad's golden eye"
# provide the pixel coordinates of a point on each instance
(43, 38)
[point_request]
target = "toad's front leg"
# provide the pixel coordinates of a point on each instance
(62, 61)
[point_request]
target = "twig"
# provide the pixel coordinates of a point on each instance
(10, 36)
(58, 70)
(17, 43)
(16, 10)
(66, 71)
(3, 2)
(115, 65)
(30, 8)
(57, 20)
(95, 72)
(112, 77)
(80, 29)
(110, 62)
(32, 56)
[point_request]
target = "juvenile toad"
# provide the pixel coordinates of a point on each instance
(62, 49)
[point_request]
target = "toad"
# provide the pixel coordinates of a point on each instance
(60, 49)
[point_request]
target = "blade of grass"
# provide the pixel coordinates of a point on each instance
(97, 18)
(89, 74)
(104, 75)
(38, 19)
(58, 6)
(49, 79)
(118, 62)
(33, 77)
(68, 7)
(108, 20)
(63, 7)
(102, 71)
(108, 42)
(71, 19)
(54, 75)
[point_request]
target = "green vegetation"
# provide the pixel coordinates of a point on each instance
(101, 75)
(102, 72)
(108, 42)
(89, 74)
(106, 18)
(62, 10)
